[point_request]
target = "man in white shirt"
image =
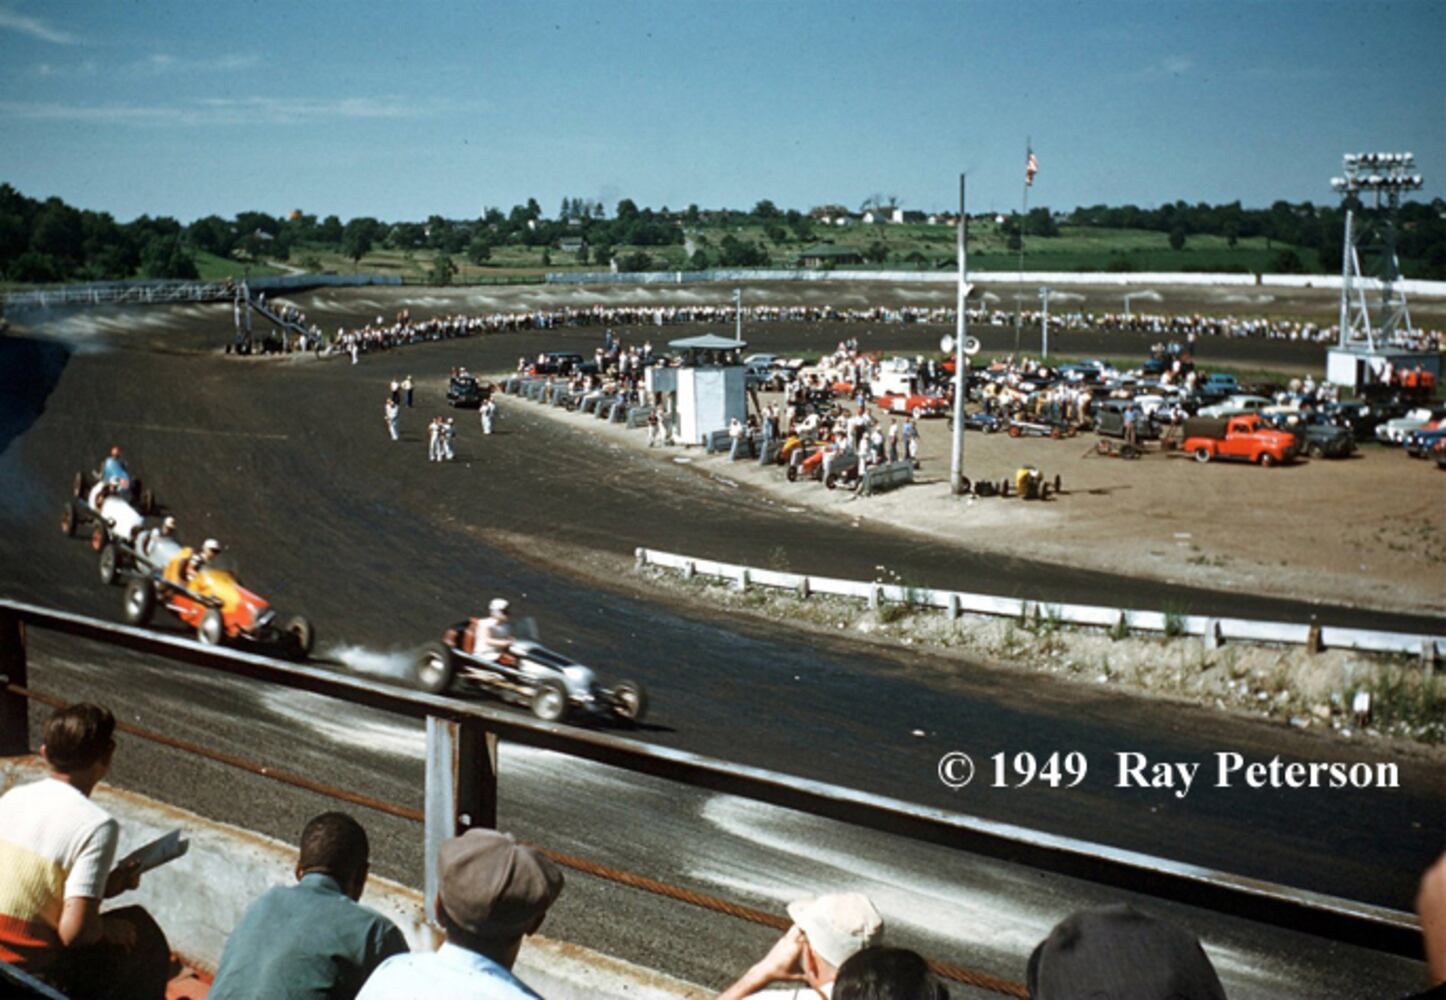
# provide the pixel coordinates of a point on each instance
(57, 849)
(826, 932)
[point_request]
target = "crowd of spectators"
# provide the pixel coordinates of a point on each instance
(314, 939)
(382, 334)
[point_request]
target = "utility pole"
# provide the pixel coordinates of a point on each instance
(961, 357)
(738, 314)
(1044, 296)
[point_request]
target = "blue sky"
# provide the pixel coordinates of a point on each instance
(402, 110)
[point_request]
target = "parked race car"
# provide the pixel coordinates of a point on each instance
(213, 602)
(467, 392)
(529, 674)
(914, 404)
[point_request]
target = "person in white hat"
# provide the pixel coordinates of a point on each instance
(492, 636)
(826, 932)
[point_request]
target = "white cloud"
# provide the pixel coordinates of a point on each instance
(1177, 65)
(226, 111)
(35, 28)
(55, 71)
(161, 63)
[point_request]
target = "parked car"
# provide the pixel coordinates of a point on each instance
(1109, 418)
(1395, 431)
(1244, 437)
(557, 363)
(467, 392)
(1360, 417)
(1420, 442)
(1236, 404)
(914, 404)
(1219, 383)
(1317, 436)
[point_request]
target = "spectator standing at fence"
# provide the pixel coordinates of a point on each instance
(407, 386)
(312, 940)
(492, 892)
(57, 851)
(826, 933)
(390, 411)
(488, 413)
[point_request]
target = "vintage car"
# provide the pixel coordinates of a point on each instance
(467, 391)
(1244, 437)
(529, 674)
(1395, 431)
(916, 405)
(1317, 435)
(109, 508)
(1236, 404)
(1419, 443)
(213, 602)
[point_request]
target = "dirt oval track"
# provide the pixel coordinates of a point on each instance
(288, 463)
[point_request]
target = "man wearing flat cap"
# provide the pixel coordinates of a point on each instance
(492, 893)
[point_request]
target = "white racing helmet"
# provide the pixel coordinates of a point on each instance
(211, 547)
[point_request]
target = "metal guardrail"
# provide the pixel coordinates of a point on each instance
(1213, 630)
(160, 292)
(461, 776)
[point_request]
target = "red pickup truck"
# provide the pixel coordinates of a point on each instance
(1246, 438)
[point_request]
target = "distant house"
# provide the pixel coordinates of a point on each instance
(828, 255)
(900, 216)
(875, 216)
(829, 215)
(571, 244)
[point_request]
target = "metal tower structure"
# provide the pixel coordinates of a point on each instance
(1385, 175)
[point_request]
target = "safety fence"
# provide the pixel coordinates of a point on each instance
(1213, 630)
(461, 792)
(165, 292)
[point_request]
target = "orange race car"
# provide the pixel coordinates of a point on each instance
(210, 600)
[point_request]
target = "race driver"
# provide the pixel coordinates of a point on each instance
(494, 633)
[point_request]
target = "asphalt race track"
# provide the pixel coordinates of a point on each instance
(288, 463)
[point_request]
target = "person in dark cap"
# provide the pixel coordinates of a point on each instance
(1119, 952)
(492, 892)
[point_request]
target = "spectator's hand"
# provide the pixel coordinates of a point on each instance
(121, 933)
(123, 878)
(784, 960)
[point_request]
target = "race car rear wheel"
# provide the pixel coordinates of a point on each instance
(1015, 430)
(301, 633)
(792, 473)
(67, 520)
(1044, 492)
(212, 629)
(1056, 433)
(831, 481)
(1128, 451)
(434, 670)
(1004, 487)
(97, 538)
(549, 701)
(630, 701)
(108, 559)
(140, 602)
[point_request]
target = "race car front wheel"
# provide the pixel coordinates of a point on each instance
(630, 701)
(107, 565)
(302, 635)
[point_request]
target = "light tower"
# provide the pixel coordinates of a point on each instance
(1385, 175)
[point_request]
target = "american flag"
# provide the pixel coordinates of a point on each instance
(1031, 167)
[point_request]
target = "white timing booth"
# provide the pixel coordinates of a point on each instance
(708, 386)
(1362, 366)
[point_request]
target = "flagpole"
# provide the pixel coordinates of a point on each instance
(1019, 273)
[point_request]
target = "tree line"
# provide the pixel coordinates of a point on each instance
(50, 241)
